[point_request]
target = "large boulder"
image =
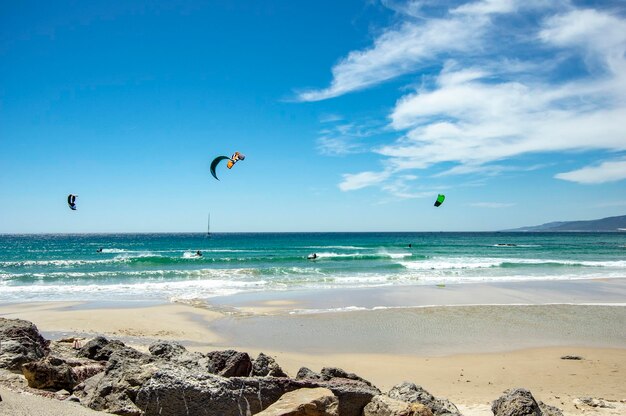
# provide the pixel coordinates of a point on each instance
(516, 402)
(383, 405)
(101, 349)
(412, 393)
(115, 389)
(305, 373)
(179, 390)
(230, 363)
(304, 402)
(20, 342)
(49, 373)
(176, 353)
(328, 373)
(264, 365)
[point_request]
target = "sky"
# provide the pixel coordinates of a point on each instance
(353, 115)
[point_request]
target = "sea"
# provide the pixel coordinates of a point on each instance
(166, 267)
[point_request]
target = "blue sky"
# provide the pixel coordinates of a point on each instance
(353, 115)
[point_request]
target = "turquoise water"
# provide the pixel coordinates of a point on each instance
(163, 266)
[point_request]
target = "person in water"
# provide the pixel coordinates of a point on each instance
(99, 250)
(410, 245)
(312, 256)
(199, 253)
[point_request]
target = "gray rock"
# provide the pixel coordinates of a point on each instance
(548, 410)
(590, 401)
(115, 389)
(383, 405)
(178, 354)
(20, 342)
(328, 373)
(167, 349)
(179, 390)
(516, 402)
(304, 402)
(100, 348)
(412, 393)
(230, 363)
(307, 374)
(264, 365)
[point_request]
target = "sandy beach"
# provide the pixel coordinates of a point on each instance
(467, 353)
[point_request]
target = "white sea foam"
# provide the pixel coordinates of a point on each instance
(445, 263)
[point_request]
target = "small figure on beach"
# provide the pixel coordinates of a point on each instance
(76, 344)
(312, 256)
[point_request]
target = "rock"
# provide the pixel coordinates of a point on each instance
(304, 402)
(571, 357)
(412, 393)
(264, 365)
(383, 405)
(20, 342)
(49, 373)
(589, 401)
(230, 363)
(353, 395)
(178, 354)
(166, 349)
(548, 410)
(115, 389)
(516, 402)
(306, 374)
(328, 373)
(178, 390)
(62, 394)
(100, 349)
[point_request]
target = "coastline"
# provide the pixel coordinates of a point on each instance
(469, 354)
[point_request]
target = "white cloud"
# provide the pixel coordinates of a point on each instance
(609, 171)
(361, 180)
(399, 51)
(509, 86)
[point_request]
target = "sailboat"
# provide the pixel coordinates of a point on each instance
(208, 228)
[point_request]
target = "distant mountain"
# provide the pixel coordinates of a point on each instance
(604, 225)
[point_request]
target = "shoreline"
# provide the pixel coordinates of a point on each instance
(469, 354)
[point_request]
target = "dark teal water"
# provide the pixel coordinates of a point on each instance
(163, 266)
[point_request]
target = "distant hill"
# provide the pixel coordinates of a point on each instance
(603, 225)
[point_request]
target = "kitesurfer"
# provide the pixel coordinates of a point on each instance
(99, 250)
(312, 256)
(198, 253)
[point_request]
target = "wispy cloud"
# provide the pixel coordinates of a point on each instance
(506, 87)
(609, 171)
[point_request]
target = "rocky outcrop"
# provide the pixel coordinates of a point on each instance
(101, 349)
(412, 393)
(177, 354)
(304, 402)
(57, 373)
(230, 363)
(383, 405)
(307, 374)
(49, 373)
(115, 389)
(516, 402)
(548, 410)
(20, 343)
(264, 365)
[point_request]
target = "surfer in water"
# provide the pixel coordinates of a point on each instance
(198, 253)
(312, 256)
(99, 250)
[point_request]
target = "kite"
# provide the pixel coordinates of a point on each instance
(71, 201)
(440, 199)
(231, 162)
